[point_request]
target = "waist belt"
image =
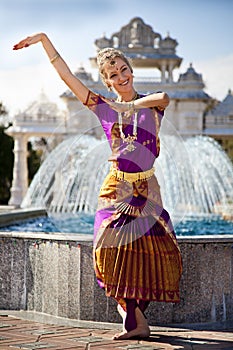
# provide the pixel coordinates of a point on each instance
(132, 177)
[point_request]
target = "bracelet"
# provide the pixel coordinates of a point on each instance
(53, 59)
(132, 107)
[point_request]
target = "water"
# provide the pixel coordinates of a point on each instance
(195, 176)
(83, 223)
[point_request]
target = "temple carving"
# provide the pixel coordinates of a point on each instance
(146, 48)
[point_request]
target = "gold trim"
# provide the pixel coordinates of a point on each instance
(132, 177)
(54, 58)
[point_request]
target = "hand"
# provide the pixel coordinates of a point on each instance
(30, 40)
(120, 107)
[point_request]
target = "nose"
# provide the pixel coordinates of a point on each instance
(121, 76)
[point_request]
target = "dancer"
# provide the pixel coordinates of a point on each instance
(136, 256)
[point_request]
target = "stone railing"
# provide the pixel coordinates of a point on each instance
(53, 274)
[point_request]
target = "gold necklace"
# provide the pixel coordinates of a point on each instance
(130, 138)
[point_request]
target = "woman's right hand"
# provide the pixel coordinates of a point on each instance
(30, 40)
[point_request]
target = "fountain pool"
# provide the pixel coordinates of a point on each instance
(83, 223)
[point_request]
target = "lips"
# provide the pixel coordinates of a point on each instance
(125, 82)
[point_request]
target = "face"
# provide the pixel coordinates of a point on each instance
(118, 75)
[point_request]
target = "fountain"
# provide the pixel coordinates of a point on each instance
(57, 277)
(195, 176)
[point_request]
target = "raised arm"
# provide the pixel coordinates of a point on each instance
(160, 100)
(75, 85)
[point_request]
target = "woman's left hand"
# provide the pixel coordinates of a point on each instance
(30, 40)
(120, 107)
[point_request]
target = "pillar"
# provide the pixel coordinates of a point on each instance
(163, 72)
(170, 72)
(20, 172)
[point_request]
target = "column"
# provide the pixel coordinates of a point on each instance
(20, 172)
(163, 72)
(170, 72)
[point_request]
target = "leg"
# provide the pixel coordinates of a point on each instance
(143, 305)
(128, 315)
(130, 320)
(122, 312)
(142, 329)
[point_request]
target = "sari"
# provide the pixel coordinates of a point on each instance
(135, 250)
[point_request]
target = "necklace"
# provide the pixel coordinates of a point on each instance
(130, 138)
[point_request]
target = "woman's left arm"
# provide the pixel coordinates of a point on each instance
(160, 100)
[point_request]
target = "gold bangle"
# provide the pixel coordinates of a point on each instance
(54, 58)
(131, 107)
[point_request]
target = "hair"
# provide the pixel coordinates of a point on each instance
(109, 54)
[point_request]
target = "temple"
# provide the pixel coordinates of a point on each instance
(191, 111)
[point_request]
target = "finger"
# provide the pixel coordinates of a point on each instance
(20, 45)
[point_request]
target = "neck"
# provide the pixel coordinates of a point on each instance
(130, 96)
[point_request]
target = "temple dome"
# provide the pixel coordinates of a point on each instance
(190, 75)
(167, 45)
(82, 74)
(224, 108)
(41, 108)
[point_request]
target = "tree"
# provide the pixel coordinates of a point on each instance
(6, 165)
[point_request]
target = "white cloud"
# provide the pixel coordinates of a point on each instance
(21, 86)
(217, 75)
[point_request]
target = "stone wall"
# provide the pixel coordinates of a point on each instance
(53, 274)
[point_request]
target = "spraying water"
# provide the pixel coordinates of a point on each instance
(195, 176)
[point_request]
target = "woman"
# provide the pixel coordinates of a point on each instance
(136, 256)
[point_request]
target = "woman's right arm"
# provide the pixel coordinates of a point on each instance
(75, 85)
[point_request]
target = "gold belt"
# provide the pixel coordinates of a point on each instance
(132, 177)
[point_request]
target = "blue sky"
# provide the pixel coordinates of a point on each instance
(203, 29)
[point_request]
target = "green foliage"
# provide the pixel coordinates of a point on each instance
(34, 161)
(3, 110)
(6, 165)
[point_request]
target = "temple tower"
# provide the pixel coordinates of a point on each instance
(146, 48)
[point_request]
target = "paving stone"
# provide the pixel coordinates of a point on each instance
(3, 338)
(33, 346)
(88, 339)
(4, 325)
(142, 347)
(20, 334)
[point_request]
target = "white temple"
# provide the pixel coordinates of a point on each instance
(186, 115)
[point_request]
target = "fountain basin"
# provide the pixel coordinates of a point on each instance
(53, 273)
(18, 215)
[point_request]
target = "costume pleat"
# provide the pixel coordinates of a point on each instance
(137, 256)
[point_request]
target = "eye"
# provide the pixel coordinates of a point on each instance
(112, 76)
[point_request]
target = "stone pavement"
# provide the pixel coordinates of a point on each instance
(18, 331)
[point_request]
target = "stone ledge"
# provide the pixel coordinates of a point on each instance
(16, 215)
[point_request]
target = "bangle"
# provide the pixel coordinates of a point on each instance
(53, 59)
(131, 107)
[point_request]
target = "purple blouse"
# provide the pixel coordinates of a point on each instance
(147, 142)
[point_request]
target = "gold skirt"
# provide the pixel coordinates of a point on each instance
(136, 255)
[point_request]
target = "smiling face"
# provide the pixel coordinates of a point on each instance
(118, 76)
(116, 72)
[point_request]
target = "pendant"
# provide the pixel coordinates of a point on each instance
(130, 147)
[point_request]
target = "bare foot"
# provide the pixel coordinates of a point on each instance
(141, 331)
(137, 333)
(123, 315)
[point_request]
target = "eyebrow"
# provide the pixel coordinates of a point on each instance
(115, 69)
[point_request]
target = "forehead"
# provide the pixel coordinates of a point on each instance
(113, 65)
